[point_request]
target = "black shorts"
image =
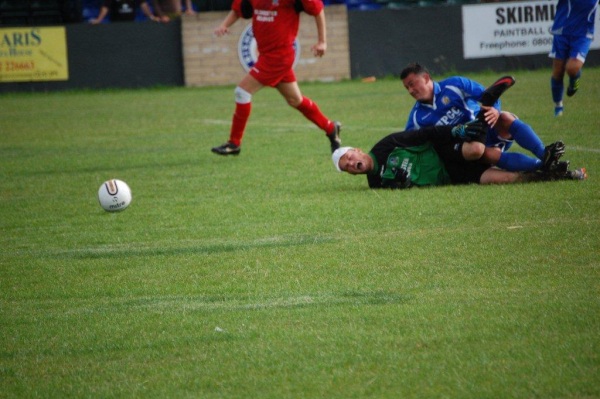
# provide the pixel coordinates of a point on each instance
(460, 170)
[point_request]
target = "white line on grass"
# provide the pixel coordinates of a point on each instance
(584, 149)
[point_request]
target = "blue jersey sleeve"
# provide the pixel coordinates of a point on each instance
(473, 91)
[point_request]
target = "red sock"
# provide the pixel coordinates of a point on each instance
(312, 112)
(238, 124)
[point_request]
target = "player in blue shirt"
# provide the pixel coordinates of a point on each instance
(455, 100)
(573, 31)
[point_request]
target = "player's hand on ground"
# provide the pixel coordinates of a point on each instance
(490, 115)
(470, 131)
(401, 179)
(319, 49)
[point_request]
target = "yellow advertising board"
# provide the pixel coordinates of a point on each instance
(33, 54)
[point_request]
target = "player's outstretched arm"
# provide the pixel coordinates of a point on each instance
(229, 20)
(320, 48)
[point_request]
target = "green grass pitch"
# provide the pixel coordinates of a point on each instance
(270, 275)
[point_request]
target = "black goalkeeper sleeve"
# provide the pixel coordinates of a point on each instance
(412, 138)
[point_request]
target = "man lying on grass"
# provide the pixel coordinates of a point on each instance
(434, 156)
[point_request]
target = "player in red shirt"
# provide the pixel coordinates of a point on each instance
(275, 25)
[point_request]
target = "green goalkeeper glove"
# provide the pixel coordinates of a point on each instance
(470, 131)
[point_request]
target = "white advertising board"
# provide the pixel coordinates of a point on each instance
(511, 28)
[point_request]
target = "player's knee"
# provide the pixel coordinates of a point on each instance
(293, 101)
(505, 121)
(242, 96)
(573, 66)
(491, 155)
(473, 150)
(507, 117)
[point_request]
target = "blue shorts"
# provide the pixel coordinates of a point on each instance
(493, 139)
(565, 47)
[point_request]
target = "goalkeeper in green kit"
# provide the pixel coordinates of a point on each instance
(435, 156)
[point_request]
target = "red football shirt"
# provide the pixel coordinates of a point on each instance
(275, 24)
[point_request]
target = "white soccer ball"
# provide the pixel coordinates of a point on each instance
(114, 195)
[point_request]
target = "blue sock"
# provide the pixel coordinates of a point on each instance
(558, 87)
(524, 135)
(515, 162)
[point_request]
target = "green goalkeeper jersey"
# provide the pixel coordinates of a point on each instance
(421, 163)
(430, 156)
